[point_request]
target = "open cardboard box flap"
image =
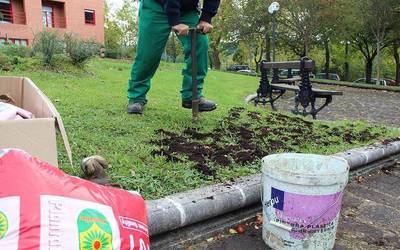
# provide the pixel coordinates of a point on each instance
(36, 136)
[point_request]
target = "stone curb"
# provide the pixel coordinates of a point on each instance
(179, 210)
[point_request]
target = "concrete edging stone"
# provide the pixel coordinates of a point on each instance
(182, 209)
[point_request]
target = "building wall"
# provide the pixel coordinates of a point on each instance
(74, 21)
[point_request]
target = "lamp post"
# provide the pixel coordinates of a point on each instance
(273, 9)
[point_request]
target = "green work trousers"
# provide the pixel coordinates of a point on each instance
(154, 31)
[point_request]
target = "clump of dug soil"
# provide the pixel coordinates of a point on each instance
(243, 137)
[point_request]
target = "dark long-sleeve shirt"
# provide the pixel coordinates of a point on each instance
(173, 8)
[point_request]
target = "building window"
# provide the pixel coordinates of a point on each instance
(22, 42)
(48, 18)
(6, 13)
(90, 17)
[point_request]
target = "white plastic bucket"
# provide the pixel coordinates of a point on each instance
(302, 197)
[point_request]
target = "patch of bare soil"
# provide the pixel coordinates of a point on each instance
(243, 137)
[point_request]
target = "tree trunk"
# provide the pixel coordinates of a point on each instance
(210, 60)
(346, 63)
(257, 63)
(306, 43)
(396, 55)
(305, 52)
(327, 58)
(174, 51)
(368, 70)
(216, 60)
(378, 63)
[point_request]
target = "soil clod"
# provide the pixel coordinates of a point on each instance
(243, 137)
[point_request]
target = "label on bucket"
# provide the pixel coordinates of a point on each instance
(305, 214)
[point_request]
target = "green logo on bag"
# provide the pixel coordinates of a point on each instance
(95, 232)
(3, 225)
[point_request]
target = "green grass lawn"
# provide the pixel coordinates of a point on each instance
(93, 107)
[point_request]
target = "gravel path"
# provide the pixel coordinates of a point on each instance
(374, 106)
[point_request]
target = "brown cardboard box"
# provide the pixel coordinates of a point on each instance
(35, 136)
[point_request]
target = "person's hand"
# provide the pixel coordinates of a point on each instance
(181, 29)
(205, 27)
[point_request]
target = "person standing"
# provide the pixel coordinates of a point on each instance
(156, 20)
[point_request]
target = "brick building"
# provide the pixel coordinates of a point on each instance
(20, 20)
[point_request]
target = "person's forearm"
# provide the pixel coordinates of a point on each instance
(210, 9)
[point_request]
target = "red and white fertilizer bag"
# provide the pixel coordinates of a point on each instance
(43, 208)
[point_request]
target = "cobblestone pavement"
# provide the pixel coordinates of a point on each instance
(375, 106)
(370, 218)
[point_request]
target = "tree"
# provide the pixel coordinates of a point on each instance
(224, 24)
(327, 28)
(239, 56)
(380, 22)
(172, 48)
(127, 21)
(113, 33)
(300, 20)
(396, 45)
(369, 25)
(253, 29)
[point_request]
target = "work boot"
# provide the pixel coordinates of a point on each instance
(204, 105)
(135, 107)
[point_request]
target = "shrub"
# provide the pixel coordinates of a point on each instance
(113, 53)
(13, 50)
(80, 51)
(48, 44)
(5, 62)
(128, 52)
(120, 52)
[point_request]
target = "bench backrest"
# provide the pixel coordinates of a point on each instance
(308, 65)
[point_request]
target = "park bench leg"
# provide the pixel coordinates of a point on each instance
(265, 93)
(328, 100)
(273, 99)
(314, 111)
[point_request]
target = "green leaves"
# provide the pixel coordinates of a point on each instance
(48, 44)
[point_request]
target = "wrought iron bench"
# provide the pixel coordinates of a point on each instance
(306, 95)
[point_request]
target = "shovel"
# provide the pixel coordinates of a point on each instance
(195, 99)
